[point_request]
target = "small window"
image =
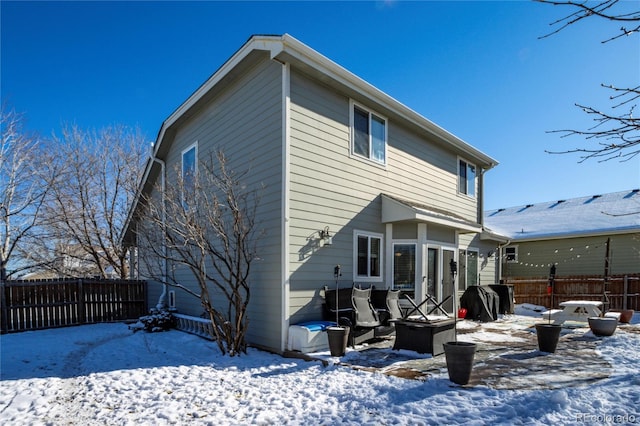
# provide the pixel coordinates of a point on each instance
(189, 170)
(368, 256)
(466, 178)
(511, 254)
(369, 135)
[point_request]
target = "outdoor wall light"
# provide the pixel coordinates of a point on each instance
(325, 237)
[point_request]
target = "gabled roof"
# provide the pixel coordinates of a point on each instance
(287, 49)
(600, 214)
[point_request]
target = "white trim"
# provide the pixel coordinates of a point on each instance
(466, 266)
(303, 53)
(388, 248)
(475, 178)
(285, 48)
(194, 147)
(353, 104)
(396, 211)
(358, 278)
(416, 277)
(504, 254)
(286, 188)
(579, 234)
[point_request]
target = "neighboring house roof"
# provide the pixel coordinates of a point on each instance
(287, 49)
(613, 213)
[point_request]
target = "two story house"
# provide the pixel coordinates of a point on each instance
(351, 177)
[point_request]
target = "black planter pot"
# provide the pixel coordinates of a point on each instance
(548, 335)
(603, 326)
(459, 357)
(338, 339)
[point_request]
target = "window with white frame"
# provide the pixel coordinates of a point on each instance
(404, 267)
(368, 135)
(466, 178)
(510, 254)
(189, 171)
(468, 269)
(367, 256)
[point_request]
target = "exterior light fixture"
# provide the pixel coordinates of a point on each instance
(325, 237)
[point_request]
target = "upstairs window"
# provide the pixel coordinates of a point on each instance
(368, 256)
(189, 170)
(466, 178)
(369, 135)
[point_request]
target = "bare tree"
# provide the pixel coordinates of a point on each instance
(206, 224)
(24, 183)
(616, 131)
(88, 203)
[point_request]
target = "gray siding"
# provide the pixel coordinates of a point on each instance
(576, 256)
(244, 121)
(329, 187)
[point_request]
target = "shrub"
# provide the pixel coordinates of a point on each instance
(157, 320)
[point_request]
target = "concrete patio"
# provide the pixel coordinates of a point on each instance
(507, 356)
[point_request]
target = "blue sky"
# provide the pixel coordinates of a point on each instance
(478, 69)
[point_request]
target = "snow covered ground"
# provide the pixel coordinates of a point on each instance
(106, 375)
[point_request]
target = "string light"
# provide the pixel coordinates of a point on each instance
(573, 254)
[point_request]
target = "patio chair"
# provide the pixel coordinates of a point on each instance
(357, 312)
(387, 304)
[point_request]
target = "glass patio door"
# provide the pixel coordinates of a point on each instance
(447, 279)
(439, 280)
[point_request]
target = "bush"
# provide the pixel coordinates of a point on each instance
(157, 320)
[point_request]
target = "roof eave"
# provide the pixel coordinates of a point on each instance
(577, 234)
(292, 48)
(394, 210)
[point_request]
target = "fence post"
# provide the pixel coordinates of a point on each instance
(4, 328)
(82, 315)
(625, 291)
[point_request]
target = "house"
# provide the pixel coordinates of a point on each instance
(71, 261)
(341, 162)
(593, 235)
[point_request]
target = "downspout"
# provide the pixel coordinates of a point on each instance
(285, 205)
(480, 212)
(162, 300)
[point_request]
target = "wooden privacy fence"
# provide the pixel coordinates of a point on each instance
(36, 305)
(623, 291)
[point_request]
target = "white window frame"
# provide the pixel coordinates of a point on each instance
(468, 184)
(413, 243)
(466, 265)
(370, 112)
(506, 256)
(368, 277)
(194, 147)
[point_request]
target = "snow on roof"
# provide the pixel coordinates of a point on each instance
(616, 212)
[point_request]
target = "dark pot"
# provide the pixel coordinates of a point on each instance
(603, 326)
(459, 357)
(338, 339)
(625, 314)
(548, 335)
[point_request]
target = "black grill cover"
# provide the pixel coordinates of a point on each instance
(481, 303)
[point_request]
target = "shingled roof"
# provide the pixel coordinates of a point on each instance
(600, 214)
